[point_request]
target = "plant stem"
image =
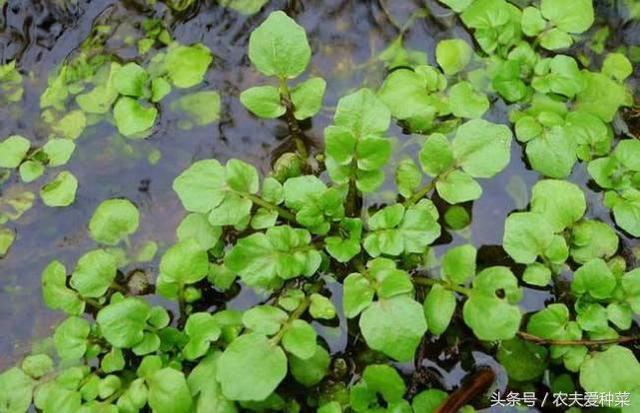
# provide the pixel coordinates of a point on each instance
(182, 307)
(352, 198)
(445, 284)
(544, 341)
(292, 122)
(422, 192)
(289, 216)
(297, 313)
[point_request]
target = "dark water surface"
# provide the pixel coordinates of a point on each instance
(345, 37)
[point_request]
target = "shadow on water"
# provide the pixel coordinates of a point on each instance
(345, 36)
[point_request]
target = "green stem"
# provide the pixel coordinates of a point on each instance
(268, 205)
(352, 198)
(93, 303)
(297, 313)
(422, 192)
(431, 282)
(182, 307)
(544, 341)
(292, 122)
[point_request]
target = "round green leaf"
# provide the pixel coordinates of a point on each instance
(482, 148)
(399, 314)
(61, 191)
(299, 339)
(122, 323)
(13, 150)
(263, 101)
(527, 235)
(169, 392)
(453, 55)
(94, 273)
(613, 370)
(113, 221)
(438, 309)
(187, 65)
(132, 118)
(251, 353)
(279, 47)
(560, 202)
(184, 263)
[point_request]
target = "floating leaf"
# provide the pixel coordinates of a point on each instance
(453, 55)
(187, 65)
(13, 150)
(113, 221)
(61, 191)
(132, 118)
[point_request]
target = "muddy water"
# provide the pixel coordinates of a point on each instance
(345, 36)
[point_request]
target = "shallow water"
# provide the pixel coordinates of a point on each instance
(345, 37)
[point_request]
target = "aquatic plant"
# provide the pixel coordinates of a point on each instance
(300, 238)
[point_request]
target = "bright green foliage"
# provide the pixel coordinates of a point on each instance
(132, 118)
(377, 379)
(58, 151)
(263, 101)
(131, 80)
(413, 95)
(489, 316)
(307, 97)
(70, 338)
(527, 235)
(523, 361)
(453, 55)
(459, 264)
(201, 328)
(31, 170)
(15, 390)
(55, 293)
(222, 192)
(466, 102)
(354, 145)
(559, 202)
(187, 65)
(568, 15)
(594, 278)
(266, 259)
(299, 339)
(113, 221)
(197, 226)
(395, 229)
(480, 149)
(10, 82)
(259, 262)
(94, 273)
(400, 314)
(184, 263)
(61, 191)
(615, 369)
(251, 353)
(279, 47)
(13, 150)
(168, 392)
(7, 237)
(438, 309)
